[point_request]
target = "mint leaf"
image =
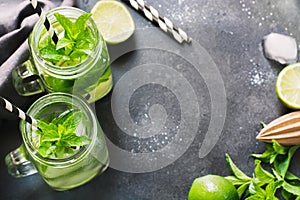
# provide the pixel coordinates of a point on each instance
(85, 34)
(61, 130)
(265, 157)
(277, 175)
(45, 42)
(45, 149)
(262, 175)
(72, 120)
(254, 188)
(271, 189)
(50, 54)
(66, 24)
(43, 126)
(82, 47)
(59, 151)
(81, 21)
(46, 128)
(62, 117)
(268, 156)
(235, 181)
(279, 148)
(235, 170)
(241, 190)
(77, 43)
(290, 176)
(72, 140)
(85, 42)
(273, 158)
(274, 151)
(282, 163)
(69, 118)
(64, 42)
(264, 185)
(293, 189)
(58, 138)
(49, 118)
(50, 136)
(85, 140)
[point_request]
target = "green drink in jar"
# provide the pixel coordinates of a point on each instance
(77, 64)
(69, 147)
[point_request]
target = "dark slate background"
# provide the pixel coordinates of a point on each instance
(231, 32)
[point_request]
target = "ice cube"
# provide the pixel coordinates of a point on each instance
(280, 48)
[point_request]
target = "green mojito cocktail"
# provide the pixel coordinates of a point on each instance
(77, 64)
(68, 149)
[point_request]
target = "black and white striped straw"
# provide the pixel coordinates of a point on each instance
(17, 111)
(38, 9)
(164, 23)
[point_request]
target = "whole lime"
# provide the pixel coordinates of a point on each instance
(212, 187)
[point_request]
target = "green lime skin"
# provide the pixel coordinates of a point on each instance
(212, 187)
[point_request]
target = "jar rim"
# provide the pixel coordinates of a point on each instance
(56, 98)
(81, 67)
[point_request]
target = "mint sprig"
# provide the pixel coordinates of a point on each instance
(264, 184)
(58, 138)
(76, 44)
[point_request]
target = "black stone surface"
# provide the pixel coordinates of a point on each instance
(231, 32)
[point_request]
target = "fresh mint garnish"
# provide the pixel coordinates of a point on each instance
(76, 44)
(264, 184)
(57, 138)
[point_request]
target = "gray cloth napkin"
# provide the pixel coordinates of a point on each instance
(17, 18)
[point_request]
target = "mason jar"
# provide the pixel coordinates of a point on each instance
(90, 78)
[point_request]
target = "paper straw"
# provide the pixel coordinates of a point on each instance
(38, 9)
(18, 112)
(164, 23)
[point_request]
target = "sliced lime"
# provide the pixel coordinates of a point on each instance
(101, 90)
(113, 20)
(288, 86)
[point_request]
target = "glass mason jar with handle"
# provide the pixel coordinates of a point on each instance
(71, 170)
(91, 78)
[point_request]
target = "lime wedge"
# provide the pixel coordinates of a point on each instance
(288, 86)
(101, 90)
(113, 20)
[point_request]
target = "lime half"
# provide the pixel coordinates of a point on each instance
(113, 20)
(288, 86)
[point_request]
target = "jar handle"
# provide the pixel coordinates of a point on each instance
(26, 81)
(17, 163)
